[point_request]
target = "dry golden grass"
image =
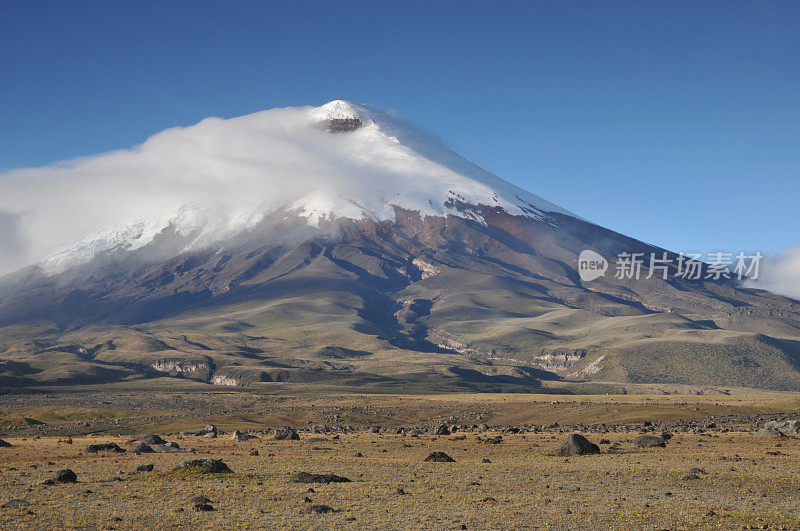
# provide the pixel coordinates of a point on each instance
(747, 481)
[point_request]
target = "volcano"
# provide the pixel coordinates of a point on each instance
(340, 247)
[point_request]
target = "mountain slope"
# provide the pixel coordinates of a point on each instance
(405, 268)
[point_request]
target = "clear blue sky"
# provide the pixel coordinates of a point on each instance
(674, 122)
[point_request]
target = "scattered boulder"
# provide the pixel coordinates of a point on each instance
(768, 433)
(13, 502)
(209, 431)
(254, 453)
(691, 476)
(239, 436)
(307, 477)
(143, 448)
(107, 447)
(650, 441)
(442, 430)
(4, 444)
(439, 457)
(148, 439)
(494, 440)
(203, 507)
(204, 466)
(577, 445)
(319, 509)
(170, 448)
(286, 434)
(787, 427)
(778, 429)
(65, 476)
(319, 428)
(200, 500)
(145, 468)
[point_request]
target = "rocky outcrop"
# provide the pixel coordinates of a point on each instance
(180, 367)
(343, 125)
(221, 379)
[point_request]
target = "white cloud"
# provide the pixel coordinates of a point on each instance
(219, 177)
(780, 274)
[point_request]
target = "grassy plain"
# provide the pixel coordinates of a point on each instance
(745, 480)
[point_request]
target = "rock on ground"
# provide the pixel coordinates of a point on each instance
(319, 509)
(13, 502)
(65, 476)
(107, 447)
(439, 457)
(286, 434)
(210, 431)
(143, 448)
(239, 436)
(650, 441)
(204, 466)
(148, 439)
(779, 429)
(577, 445)
(307, 477)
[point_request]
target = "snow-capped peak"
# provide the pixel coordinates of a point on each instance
(339, 110)
(219, 177)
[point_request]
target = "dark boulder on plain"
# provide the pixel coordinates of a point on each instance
(107, 447)
(65, 476)
(319, 509)
(204, 466)
(147, 439)
(439, 457)
(238, 436)
(286, 434)
(307, 477)
(577, 445)
(650, 441)
(143, 448)
(15, 503)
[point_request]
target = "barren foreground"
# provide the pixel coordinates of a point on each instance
(515, 480)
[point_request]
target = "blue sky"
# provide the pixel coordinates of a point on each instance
(674, 122)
